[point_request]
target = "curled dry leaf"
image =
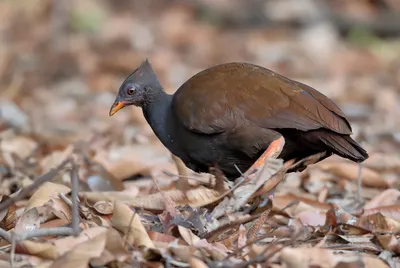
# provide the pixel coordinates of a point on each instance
(114, 250)
(129, 223)
(19, 145)
(188, 235)
(58, 247)
(104, 207)
(392, 211)
(29, 221)
(81, 254)
(350, 170)
(195, 198)
(385, 198)
(378, 223)
(389, 242)
(9, 216)
(59, 208)
(317, 257)
(45, 192)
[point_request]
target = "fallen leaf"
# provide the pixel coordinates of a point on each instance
(350, 170)
(385, 198)
(81, 254)
(188, 235)
(195, 198)
(29, 221)
(129, 223)
(317, 257)
(45, 192)
(19, 145)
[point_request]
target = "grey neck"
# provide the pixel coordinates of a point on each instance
(159, 115)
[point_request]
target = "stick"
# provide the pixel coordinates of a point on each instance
(74, 196)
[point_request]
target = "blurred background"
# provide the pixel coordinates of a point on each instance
(62, 62)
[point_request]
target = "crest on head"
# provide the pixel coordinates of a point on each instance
(138, 88)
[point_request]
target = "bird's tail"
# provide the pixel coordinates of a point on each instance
(345, 146)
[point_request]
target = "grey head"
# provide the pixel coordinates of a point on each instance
(138, 89)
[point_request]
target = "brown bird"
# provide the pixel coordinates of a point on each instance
(229, 114)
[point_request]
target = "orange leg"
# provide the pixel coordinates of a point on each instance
(273, 151)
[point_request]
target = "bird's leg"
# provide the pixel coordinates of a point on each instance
(273, 151)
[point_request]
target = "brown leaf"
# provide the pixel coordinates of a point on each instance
(317, 257)
(45, 192)
(56, 248)
(195, 198)
(19, 145)
(188, 235)
(378, 223)
(29, 221)
(392, 211)
(81, 254)
(350, 170)
(10, 217)
(385, 198)
(129, 223)
(114, 251)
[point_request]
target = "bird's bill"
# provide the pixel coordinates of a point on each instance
(118, 105)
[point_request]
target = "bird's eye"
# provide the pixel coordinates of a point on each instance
(131, 91)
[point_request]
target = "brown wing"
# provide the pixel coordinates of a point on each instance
(228, 96)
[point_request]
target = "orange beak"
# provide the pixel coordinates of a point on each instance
(116, 107)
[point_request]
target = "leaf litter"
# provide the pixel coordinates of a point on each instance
(137, 204)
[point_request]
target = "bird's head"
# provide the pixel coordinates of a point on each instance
(138, 89)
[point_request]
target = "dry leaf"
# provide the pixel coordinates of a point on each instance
(29, 221)
(350, 170)
(45, 192)
(316, 257)
(195, 198)
(129, 223)
(82, 253)
(19, 145)
(188, 235)
(114, 251)
(385, 198)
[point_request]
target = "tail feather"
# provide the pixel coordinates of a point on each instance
(345, 146)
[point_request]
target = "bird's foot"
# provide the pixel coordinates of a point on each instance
(273, 151)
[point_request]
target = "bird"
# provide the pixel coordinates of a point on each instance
(228, 115)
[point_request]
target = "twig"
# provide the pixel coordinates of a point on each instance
(65, 199)
(359, 179)
(74, 197)
(39, 181)
(55, 231)
(12, 254)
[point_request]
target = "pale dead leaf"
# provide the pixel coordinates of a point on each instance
(195, 198)
(197, 263)
(350, 170)
(114, 251)
(392, 211)
(19, 145)
(188, 235)
(45, 192)
(29, 221)
(82, 253)
(59, 208)
(129, 223)
(58, 247)
(378, 223)
(317, 257)
(104, 207)
(385, 198)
